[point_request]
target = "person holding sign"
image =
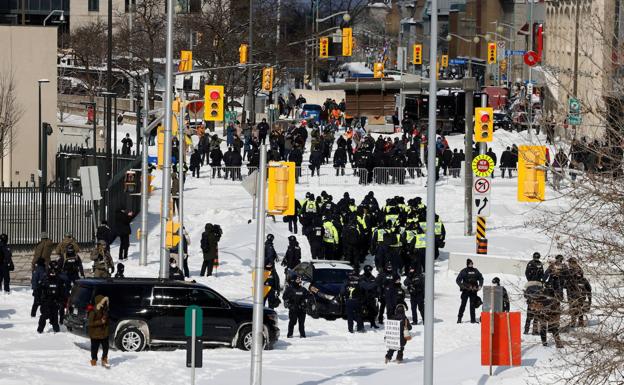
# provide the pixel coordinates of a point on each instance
(403, 334)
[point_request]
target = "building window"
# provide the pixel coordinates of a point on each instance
(94, 5)
(195, 6)
(130, 6)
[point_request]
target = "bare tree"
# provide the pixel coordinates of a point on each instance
(10, 111)
(88, 46)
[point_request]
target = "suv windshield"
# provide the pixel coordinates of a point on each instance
(81, 296)
(331, 275)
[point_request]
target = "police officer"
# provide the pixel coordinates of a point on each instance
(415, 284)
(351, 239)
(295, 300)
(369, 295)
(330, 239)
(102, 262)
(352, 294)
(6, 263)
(532, 291)
(269, 251)
(470, 282)
(72, 265)
(386, 282)
(38, 275)
(293, 254)
(440, 235)
(272, 281)
(51, 293)
(506, 304)
(535, 269)
(315, 238)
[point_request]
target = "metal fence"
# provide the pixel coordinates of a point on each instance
(20, 215)
(326, 176)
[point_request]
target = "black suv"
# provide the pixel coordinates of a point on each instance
(146, 312)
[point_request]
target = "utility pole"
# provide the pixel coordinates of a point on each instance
(180, 156)
(469, 111)
(530, 96)
(258, 300)
(250, 94)
(431, 190)
(166, 170)
(144, 178)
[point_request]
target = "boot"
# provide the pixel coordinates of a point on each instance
(459, 320)
(93, 362)
(399, 358)
(105, 362)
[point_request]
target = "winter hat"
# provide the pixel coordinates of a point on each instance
(101, 301)
(468, 262)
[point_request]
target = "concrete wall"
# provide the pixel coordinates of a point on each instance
(30, 53)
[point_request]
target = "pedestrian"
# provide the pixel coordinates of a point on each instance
(270, 255)
(120, 270)
(580, 297)
(293, 254)
(72, 265)
(209, 245)
(403, 334)
(369, 293)
(175, 191)
(415, 284)
(44, 250)
(62, 246)
(174, 271)
(123, 230)
(470, 282)
(105, 233)
(126, 145)
(263, 130)
(548, 312)
(102, 262)
(51, 293)
(506, 303)
(273, 283)
(295, 300)
(195, 163)
(352, 294)
(532, 291)
(507, 162)
(38, 275)
(534, 270)
(98, 327)
(6, 263)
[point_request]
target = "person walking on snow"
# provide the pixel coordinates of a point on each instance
(98, 323)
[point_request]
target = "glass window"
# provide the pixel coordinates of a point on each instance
(81, 296)
(331, 275)
(205, 298)
(170, 297)
(195, 6)
(94, 5)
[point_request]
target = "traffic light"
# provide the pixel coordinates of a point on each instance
(444, 61)
(324, 47)
(531, 173)
(378, 70)
(267, 79)
(150, 179)
(483, 124)
(347, 41)
(130, 182)
(243, 51)
(213, 103)
(281, 192)
(173, 234)
(417, 55)
(186, 61)
(491, 56)
(160, 137)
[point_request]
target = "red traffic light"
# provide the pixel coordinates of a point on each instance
(485, 118)
(214, 95)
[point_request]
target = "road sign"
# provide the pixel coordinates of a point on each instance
(481, 205)
(531, 58)
(501, 50)
(510, 52)
(90, 183)
(188, 321)
(575, 120)
(574, 106)
(482, 186)
(250, 183)
(482, 165)
(457, 61)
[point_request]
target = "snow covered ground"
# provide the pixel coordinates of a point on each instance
(330, 355)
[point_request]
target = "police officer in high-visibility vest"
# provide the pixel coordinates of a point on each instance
(440, 236)
(330, 239)
(415, 246)
(377, 238)
(307, 212)
(396, 250)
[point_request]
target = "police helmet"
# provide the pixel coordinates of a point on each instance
(496, 281)
(4, 238)
(53, 266)
(536, 255)
(292, 239)
(368, 269)
(270, 237)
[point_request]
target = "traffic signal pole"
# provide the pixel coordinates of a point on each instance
(166, 170)
(250, 94)
(258, 297)
(468, 144)
(144, 179)
(431, 190)
(180, 156)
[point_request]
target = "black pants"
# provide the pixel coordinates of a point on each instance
(318, 171)
(371, 311)
(354, 313)
(35, 305)
(465, 295)
(341, 170)
(316, 249)
(196, 172)
(390, 352)
(329, 250)
(124, 244)
(417, 302)
(351, 254)
(262, 139)
(95, 346)
(530, 317)
(176, 204)
(296, 316)
(185, 267)
(207, 267)
(49, 311)
(292, 224)
(5, 278)
(382, 307)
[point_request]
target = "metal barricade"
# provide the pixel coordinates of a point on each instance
(330, 176)
(399, 175)
(227, 175)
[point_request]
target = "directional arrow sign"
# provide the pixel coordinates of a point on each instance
(482, 186)
(481, 206)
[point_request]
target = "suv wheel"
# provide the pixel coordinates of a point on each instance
(245, 339)
(313, 310)
(130, 339)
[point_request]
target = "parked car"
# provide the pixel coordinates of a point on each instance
(324, 280)
(502, 121)
(311, 112)
(147, 312)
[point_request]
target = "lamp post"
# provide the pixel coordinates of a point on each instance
(474, 40)
(345, 16)
(93, 105)
(43, 162)
(109, 159)
(53, 12)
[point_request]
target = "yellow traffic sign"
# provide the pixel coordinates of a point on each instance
(482, 165)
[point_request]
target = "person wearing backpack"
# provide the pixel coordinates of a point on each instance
(470, 282)
(415, 283)
(399, 315)
(72, 265)
(6, 263)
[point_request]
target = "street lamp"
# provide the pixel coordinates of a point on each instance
(474, 40)
(43, 160)
(345, 17)
(55, 11)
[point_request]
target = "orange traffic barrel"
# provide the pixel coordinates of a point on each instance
(482, 244)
